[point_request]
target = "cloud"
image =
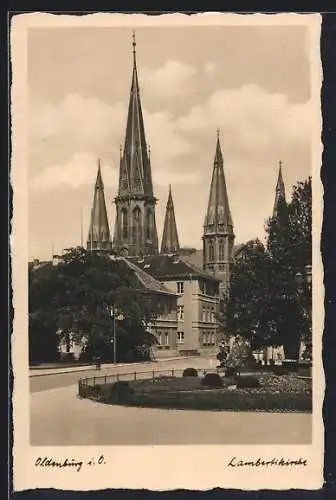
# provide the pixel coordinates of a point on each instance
(251, 117)
(67, 138)
(210, 68)
(81, 170)
(172, 80)
(82, 121)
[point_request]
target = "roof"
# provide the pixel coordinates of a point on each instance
(135, 177)
(147, 281)
(170, 266)
(170, 240)
(195, 256)
(218, 217)
(99, 231)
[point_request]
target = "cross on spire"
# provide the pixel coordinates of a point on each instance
(133, 42)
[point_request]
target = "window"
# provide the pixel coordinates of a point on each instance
(213, 316)
(203, 314)
(204, 338)
(180, 313)
(149, 223)
(159, 337)
(208, 315)
(213, 339)
(180, 287)
(124, 223)
(221, 250)
(180, 337)
(166, 338)
(211, 252)
(202, 287)
(209, 338)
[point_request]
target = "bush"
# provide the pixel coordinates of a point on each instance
(280, 370)
(190, 372)
(212, 380)
(68, 358)
(231, 371)
(247, 382)
(119, 392)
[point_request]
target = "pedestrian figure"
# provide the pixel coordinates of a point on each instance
(98, 363)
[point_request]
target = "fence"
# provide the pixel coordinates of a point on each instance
(90, 386)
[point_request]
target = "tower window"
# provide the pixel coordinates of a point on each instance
(180, 287)
(135, 224)
(211, 252)
(124, 223)
(149, 222)
(221, 250)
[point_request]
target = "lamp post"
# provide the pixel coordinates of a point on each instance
(115, 314)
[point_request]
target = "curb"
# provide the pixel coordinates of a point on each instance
(32, 375)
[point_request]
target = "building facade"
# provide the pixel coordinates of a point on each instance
(197, 327)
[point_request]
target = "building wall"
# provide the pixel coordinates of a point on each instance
(192, 329)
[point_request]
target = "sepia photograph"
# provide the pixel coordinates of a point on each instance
(170, 180)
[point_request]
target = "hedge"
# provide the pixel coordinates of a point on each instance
(225, 400)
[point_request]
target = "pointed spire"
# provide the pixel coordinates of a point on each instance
(170, 240)
(135, 167)
(280, 192)
(99, 233)
(218, 217)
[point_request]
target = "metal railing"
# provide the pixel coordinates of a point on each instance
(90, 386)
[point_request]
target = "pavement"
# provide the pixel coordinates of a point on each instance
(40, 372)
(59, 418)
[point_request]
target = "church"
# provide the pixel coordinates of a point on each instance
(199, 279)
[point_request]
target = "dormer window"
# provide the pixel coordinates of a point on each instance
(180, 287)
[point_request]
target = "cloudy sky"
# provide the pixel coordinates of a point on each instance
(251, 82)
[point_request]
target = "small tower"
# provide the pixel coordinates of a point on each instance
(218, 236)
(280, 193)
(135, 230)
(99, 237)
(170, 240)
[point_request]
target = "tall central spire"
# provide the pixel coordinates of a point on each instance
(135, 230)
(135, 172)
(170, 241)
(218, 217)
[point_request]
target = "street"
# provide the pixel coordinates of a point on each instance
(54, 380)
(59, 417)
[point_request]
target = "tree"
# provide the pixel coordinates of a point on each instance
(251, 309)
(77, 295)
(289, 247)
(265, 303)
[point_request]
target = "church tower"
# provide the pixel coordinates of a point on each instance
(99, 237)
(135, 230)
(280, 193)
(218, 236)
(170, 240)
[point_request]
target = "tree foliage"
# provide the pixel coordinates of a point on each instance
(79, 295)
(266, 305)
